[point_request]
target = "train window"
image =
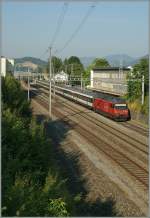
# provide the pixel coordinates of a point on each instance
(85, 98)
(120, 106)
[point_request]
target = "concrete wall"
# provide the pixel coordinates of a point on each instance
(3, 65)
(111, 81)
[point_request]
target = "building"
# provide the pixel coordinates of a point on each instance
(3, 66)
(61, 77)
(6, 66)
(109, 79)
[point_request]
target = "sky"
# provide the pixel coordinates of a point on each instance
(113, 27)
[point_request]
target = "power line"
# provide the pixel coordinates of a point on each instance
(58, 26)
(60, 22)
(44, 53)
(79, 26)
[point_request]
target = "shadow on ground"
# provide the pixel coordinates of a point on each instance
(69, 164)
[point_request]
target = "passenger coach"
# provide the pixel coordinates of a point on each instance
(112, 107)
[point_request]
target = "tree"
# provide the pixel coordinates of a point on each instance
(135, 80)
(100, 62)
(57, 65)
(140, 69)
(74, 65)
(9, 67)
(74, 60)
(31, 181)
(14, 97)
(74, 68)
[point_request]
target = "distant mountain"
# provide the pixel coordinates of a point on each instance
(33, 60)
(86, 61)
(119, 59)
(114, 60)
(135, 61)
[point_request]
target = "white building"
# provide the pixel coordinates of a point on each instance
(4, 65)
(61, 77)
(109, 79)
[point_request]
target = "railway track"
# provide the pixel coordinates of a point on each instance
(135, 170)
(110, 129)
(143, 131)
(125, 144)
(129, 124)
(122, 135)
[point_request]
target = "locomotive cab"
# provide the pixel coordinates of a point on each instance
(120, 106)
(121, 111)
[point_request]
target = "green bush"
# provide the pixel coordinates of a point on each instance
(145, 106)
(31, 181)
(134, 94)
(14, 97)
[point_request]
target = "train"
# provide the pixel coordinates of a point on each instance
(113, 107)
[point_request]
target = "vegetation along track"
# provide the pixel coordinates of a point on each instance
(135, 170)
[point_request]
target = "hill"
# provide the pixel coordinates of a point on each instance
(33, 60)
(119, 59)
(132, 63)
(114, 60)
(86, 61)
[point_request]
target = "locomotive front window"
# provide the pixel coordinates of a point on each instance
(120, 106)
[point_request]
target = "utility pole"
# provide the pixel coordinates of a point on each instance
(142, 89)
(54, 77)
(66, 80)
(50, 83)
(81, 82)
(66, 74)
(28, 86)
(71, 72)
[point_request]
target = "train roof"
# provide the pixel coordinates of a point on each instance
(95, 94)
(79, 91)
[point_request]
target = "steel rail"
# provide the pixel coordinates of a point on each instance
(139, 175)
(124, 134)
(123, 161)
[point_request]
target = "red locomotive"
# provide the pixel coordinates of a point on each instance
(114, 108)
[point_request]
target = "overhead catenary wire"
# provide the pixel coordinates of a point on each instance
(59, 22)
(44, 53)
(58, 26)
(91, 8)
